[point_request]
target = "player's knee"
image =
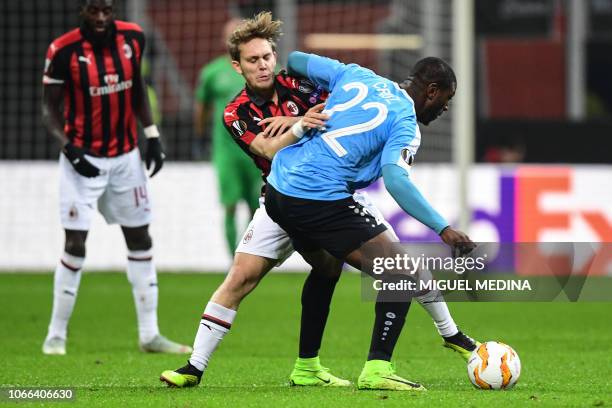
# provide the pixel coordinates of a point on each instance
(75, 245)
(137, 239)
(142, 243)
(330, 269)
(327, 274)
(242, 279)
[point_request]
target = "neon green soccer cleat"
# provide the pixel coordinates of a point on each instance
(462, 344)
(310, 372)
(380, 375)
(184, 377)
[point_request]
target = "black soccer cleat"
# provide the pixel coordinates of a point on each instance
(462, 344)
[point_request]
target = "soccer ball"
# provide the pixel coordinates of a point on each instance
(494, 366)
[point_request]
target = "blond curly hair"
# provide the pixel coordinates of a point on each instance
(260, 26)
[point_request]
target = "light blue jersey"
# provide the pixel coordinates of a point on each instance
(372, 123)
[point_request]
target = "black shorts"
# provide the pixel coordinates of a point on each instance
(338, 226)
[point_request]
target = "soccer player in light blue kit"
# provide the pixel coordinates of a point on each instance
(372, 132)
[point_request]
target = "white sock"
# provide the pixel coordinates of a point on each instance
(435, 305)
(141, 274)
(65, 287)
(216, 322)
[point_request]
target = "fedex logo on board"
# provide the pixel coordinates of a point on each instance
(533, 204)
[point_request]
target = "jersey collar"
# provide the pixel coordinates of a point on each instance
(403, 92)
(281, 91)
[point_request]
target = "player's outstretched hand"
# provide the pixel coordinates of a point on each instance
(76, 156)
(277, 125)
(314, 118)
(460, 243)
(154, 154)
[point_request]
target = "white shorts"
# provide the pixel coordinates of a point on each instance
(119, 192)
(265, 238)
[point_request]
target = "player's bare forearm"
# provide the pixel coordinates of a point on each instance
(268, 146)
(51, 112)
(142, 106)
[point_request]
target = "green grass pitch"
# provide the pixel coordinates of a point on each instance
(565, 348)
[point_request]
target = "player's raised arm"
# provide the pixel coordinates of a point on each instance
(320, 70)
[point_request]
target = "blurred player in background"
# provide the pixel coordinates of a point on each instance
(94, 74)
(372, 132)
(238, 179)
(260, 120)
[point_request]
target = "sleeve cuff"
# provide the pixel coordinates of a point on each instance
(50, 81)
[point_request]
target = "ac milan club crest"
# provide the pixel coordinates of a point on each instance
(127, 51)
(293, 108)
(247, 236)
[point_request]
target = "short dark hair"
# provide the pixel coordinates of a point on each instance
(432, 69)
(85, 3)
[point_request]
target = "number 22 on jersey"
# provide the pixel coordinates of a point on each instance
(362, 92)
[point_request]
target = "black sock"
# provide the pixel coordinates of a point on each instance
(316, 297)
(388, 323)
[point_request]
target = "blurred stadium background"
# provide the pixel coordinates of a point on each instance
(530, 127)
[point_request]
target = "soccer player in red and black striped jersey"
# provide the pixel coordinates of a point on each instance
(93, 93)
(259, 120)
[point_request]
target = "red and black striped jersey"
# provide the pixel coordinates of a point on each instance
(243, 113)
(98, 87)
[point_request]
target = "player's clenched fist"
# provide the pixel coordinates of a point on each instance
(458, 241)
(76, 156)
(154, 154)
